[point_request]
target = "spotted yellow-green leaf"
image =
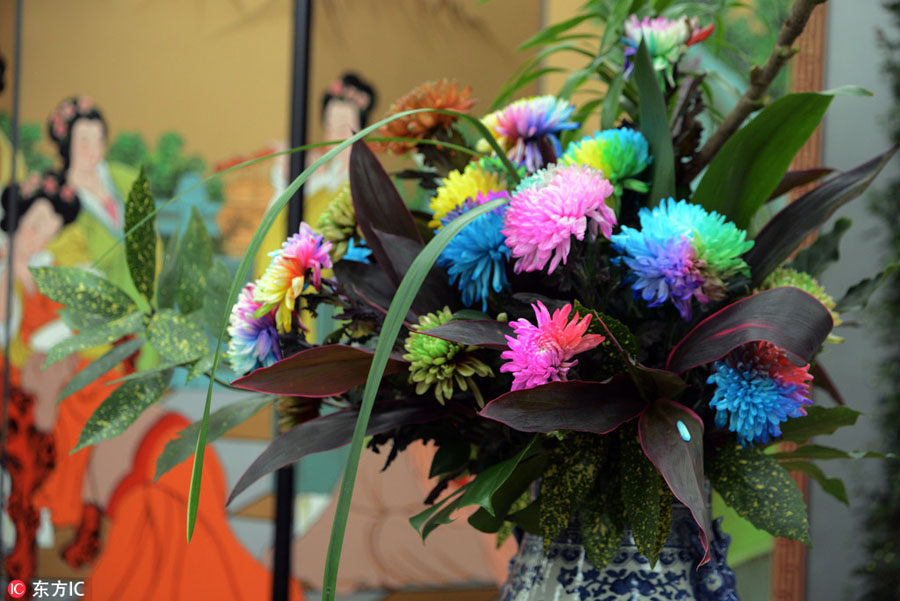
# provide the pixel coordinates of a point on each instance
(200, 367)
(102, 365)
(220, 421)
(760, 490)
(78, 321)
(167, 282)
(140, 245)
(600, 535)
(176, 338)
(194, 263)
(640, 493)
(506, 528)
(122, 407)
(106, 333)
(82, 291)
(569, 477)
(664, 526)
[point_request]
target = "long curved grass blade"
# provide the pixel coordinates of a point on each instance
(389, 331)
(250, 255)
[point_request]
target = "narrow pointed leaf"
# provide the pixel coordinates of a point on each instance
(655, 126)
(610, 110)
(833, 486)
(822, 379)
(596, 407)
(332, 431)
(82, 291)
(107, 333)
(551, 32)
(100, 366)
(369, 284)
(818, 420)
(797, 178)
(220, 421)
(815, 451)
(321, 371)
(167, 282)
(194, 263)
(857, 297)
(760, 490)
(477, 332)
(140, 245)
(122, 407)
(787, 317)
(378, 205)
(745, 172)
(784, 233)
(486, 483)
(816, 258)
(679, 461)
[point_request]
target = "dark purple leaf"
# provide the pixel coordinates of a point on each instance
(822, 379)
(791, 226)
(679, 461)
(378, 205)
(595, 407)
(368, 284)
(797, 178)
(787, 317)
(436, 291)
(320, 371)
(333, 431)
(476, 332)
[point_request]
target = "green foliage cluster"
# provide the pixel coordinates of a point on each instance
(29, 142)
(165, 164)
(881, 567)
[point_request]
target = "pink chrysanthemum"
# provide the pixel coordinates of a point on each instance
(543, 353)
(541, 220)
(302, 255)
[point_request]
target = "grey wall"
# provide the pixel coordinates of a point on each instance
(854, 131)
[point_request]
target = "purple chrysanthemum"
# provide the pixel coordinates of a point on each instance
(254, 340)
(757, 388)
(542, 219)
(525, 123)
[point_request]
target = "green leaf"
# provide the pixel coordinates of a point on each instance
(601, 536)
(124, 405)
(857, 297)
(106, 333)
(610, 111)
(504, 499)
(79, 321)
(167, 283)
(549, 34)
(486, 483)
(814, 451)
(175, 337)
(749, 166)
(818, 420)
(613, 24)
(450, 456)
(200, 366)
(220, 421)
(640, 494)
(655, 126)
(217, 284)
(569, 477)
(438, 514)
(833, 486)
(758, 489)
(82, 291)
(100, 366)
(816, 258)
(194, 262)
(140, 245)
(664, 526)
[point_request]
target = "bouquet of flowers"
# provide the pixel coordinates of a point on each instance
(589, 327)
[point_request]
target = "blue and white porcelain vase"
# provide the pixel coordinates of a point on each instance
(565, 574)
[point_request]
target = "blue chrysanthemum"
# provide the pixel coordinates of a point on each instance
(681, 251)
(758, 388)
(476, 257)
(358, 253)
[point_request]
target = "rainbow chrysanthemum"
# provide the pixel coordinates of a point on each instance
(620, 154)
(543, 352)
(457, 187)
(525, 124)
(666, 39)
(758, 388)
(476, 258)
(298, 263)
(254, 340)
(680, 252)
(544, 215)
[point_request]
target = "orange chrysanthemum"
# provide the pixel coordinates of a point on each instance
(441, 94)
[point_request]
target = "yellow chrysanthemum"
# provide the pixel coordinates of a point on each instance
(457, 187)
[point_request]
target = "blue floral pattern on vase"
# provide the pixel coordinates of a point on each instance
(565, 574)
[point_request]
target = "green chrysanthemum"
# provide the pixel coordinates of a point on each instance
(338, 223)
(785, 276)
(621, 154)
(439, 364)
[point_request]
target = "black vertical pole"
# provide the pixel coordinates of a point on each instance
(284, 478)
(12, 220)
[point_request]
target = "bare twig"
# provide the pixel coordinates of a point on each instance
(760, 80)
